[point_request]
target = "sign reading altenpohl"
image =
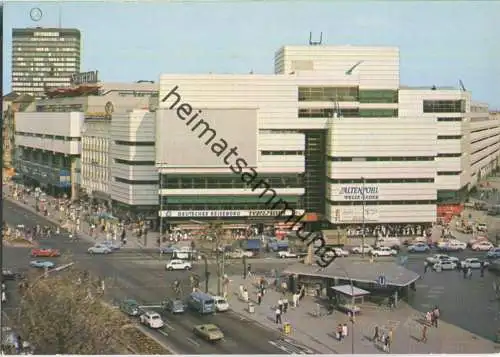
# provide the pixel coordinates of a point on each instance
(85, 77)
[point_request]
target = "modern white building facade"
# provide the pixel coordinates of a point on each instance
(48, 147)
(336, 138)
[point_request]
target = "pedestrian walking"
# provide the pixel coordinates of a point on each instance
(295, 300)
(259, 298)
(387, 342)
(249, 271)
(285, 304)
(482, 270)
(426, 266)
(376, 335)
(338, 334)
(464, 270)
(280, 305)
(469, 273)
(435, 314)
(345, 331)
(4, 296)
(428, 318)
(278, 316)
(424, 334)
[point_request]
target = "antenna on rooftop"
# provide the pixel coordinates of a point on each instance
(462, 85)
(315, 43)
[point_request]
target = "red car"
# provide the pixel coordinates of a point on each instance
(45, 252)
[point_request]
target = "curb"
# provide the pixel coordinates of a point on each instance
(85, 236)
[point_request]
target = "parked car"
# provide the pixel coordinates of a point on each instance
(483, 246)
(45, 252)
(383, 252)
(99, 249)
(239, 253)
(174, 306)
(221, 304)
(493, 253)
(130, 307)
(209, 332)
(362, 248)
(477, 239)
(445, 264)
(286, 254)
(151, 319)
(42, 264)
(389, 242)
(452, 246)
(473, 263)
(339, 252)
(419, 248)
(11, 275)
(481, 227)
(440, 257)
(178, 264)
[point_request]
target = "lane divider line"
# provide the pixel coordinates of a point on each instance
(193, 342)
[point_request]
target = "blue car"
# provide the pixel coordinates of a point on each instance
(493, 254)
(112, 245)
(419, 248)
(168, 250)
(42, 264)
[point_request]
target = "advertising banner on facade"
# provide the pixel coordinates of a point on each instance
(231, 213)
(354, 214)
(355, 192)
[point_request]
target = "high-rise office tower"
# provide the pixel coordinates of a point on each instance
(43, 58)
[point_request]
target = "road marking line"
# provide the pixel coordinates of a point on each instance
(190, 340)
(169, 326)
(163, 333)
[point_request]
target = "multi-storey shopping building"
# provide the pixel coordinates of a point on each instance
(331, 134)
(95, 113)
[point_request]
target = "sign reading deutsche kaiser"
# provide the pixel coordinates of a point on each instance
(231, 213)
(356, 193)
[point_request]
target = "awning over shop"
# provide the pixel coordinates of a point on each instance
(350, 291)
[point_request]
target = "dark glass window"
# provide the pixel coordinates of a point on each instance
(135, 143)
(444, 106)
(378, 113)
(378, 96)
(327, 113)
(135, 163)
(136, 182)
(327, 94)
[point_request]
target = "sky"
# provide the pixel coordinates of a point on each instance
(440, 42)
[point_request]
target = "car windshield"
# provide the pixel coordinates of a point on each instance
(178, 304)
(212, 329)
(155, 317)
(221, 301)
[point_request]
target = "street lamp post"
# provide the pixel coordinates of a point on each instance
(161, 208)
(363, 218)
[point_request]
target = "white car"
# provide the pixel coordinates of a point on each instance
(339, 252)
(238, 253)
(99, 249)
(440, 257)
(445, 265)
(482, 227)
(151, 319)
(473, 263)
(178, 264)
(287, 254)
(389, 242)
(483, 246)
(383, 252)
(359, 250)
(221, 304)
(452, 246)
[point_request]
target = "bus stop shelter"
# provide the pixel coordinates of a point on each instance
(348, 296)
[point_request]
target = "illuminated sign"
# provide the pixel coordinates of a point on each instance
(231, 213)
(85, 77)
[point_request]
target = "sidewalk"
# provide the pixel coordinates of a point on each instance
(318, 332)
(55, 216)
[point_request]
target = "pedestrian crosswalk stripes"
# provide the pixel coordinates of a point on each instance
(291, 348)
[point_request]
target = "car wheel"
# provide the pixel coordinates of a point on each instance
(375, 255)
(188, 268)
(170, 269)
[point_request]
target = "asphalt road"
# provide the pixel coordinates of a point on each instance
(142, 277)
(469, 304)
